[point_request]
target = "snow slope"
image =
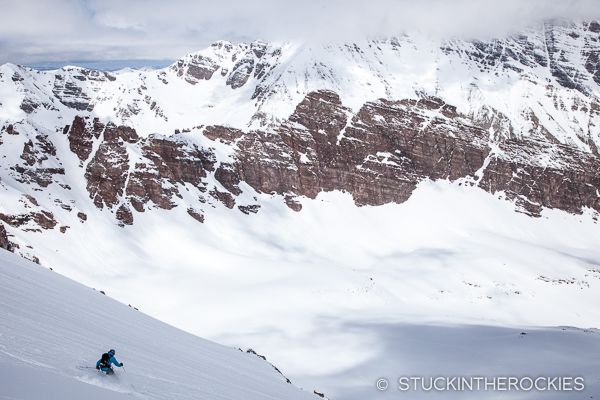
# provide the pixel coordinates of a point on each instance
(51, 325)
(330, 294)
(336, 309)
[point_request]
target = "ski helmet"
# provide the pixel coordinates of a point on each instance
(112, 351)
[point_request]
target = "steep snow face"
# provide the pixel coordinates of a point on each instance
(54, 330)
(543, 80)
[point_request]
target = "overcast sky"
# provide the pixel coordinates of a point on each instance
(34, 32)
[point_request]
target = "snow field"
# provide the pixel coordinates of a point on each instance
(335, 293)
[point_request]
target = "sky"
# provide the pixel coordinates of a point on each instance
(153, 32)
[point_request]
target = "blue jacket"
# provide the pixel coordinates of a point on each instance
(112, 360)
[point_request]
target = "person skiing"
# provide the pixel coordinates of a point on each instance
(104, 364)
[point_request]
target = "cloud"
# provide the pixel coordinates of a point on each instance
(65, 30)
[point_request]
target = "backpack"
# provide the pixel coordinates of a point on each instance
(105, 360)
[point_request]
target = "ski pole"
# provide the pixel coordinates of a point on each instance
(124, 368)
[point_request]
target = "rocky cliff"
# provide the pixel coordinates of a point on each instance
(135, 141)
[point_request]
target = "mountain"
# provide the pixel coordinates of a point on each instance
(306, 198)
(517, 115)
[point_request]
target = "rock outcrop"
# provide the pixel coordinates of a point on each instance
(4, 242)
(166, 162)
(81, 135)
(118, 183)
(540, 174)
(72, 94)
(237, 63)
(44, 219)
(378, 155)
(195, 68)
(106, 173)
(382, 152)
(39, 163)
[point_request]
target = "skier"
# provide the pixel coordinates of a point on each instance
(105, 362)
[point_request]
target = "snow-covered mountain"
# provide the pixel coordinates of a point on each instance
(375, 118)
(297, 197)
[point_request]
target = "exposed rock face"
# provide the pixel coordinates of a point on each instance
(167, 161)
(33, 217)
(4, 242)
(196, 215)
(15, 220)
(10, 129)
(569, 182)
(146, 184)
(382, 152)
(195, 68)
(106, 173)
(45, 145)
(81, 136)
(292, 203)
(45, 219)
(35, 169)
(227, 175)
(249, 209)
(554, 45)
(224, 197)
(379, 157)
(113, 181)
(226, 134)
(29, 105)
(124, 216)
(30, 154)
(241, 72)
(70, 93)
(40, 176)
(245, 61)
(181, 161)
(237, 63)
